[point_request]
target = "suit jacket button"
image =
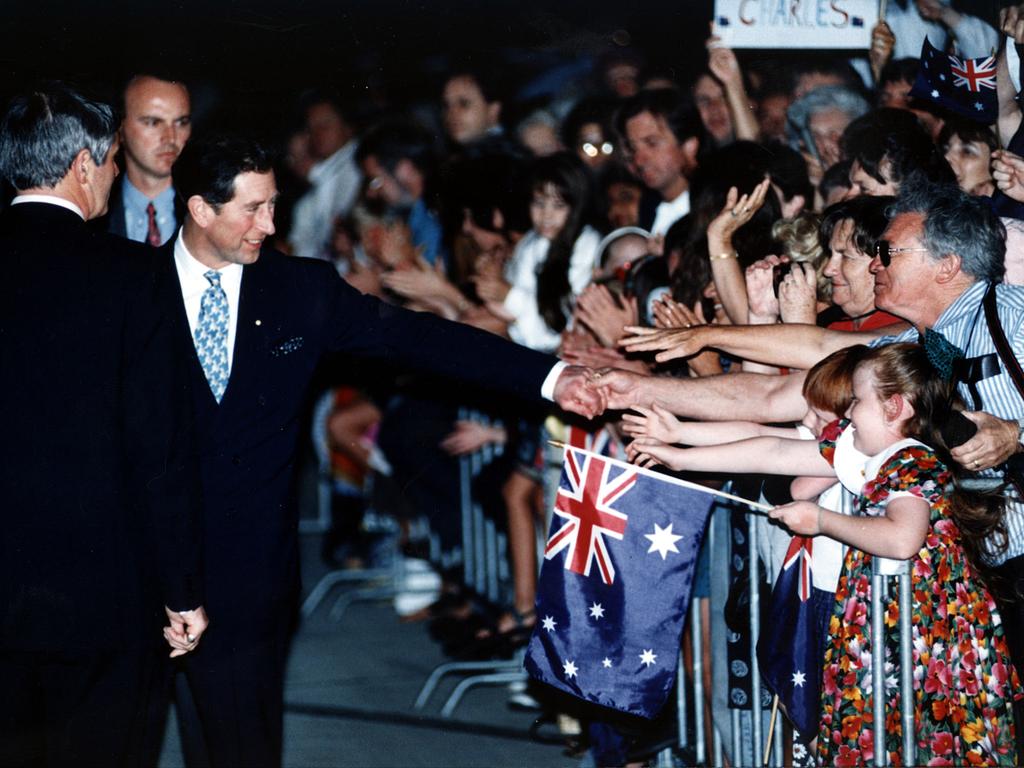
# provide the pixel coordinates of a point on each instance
(236, 460)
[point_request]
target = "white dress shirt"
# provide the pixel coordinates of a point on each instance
(669, 212)
(193, 285)
(336, 181)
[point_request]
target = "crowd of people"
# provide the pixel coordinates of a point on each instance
(794, 266)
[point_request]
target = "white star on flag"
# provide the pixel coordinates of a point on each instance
(548, 623)
(935, 94)
(569, 668)
(662, 540)
(942, 77)
(597, 611)
(606, 663)
(799, 678)
(648, 656)
(978, 106)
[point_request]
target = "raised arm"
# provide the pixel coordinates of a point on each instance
(658, 423)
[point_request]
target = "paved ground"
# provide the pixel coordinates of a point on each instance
(349, 694)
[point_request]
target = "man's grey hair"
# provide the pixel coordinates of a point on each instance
(822, 99)
(956, 223)
(44, 130)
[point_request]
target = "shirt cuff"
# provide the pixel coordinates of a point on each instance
(547, 389)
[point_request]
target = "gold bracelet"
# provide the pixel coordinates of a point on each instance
(725, 255)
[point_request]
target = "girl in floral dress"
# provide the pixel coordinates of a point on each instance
(964, 681)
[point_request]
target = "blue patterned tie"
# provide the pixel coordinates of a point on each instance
(212, 335)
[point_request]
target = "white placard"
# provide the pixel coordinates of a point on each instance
(822, 24)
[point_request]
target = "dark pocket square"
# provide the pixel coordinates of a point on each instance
(287, 347)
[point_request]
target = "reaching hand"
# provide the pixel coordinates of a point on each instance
(801, 517)
(595, 356)
(798, 295)
(1008, 172)
(648, 452)
(490, 287)
(605, 316)
(737, 211)
(675, 342)
(669, 313)
(470, 436)
(575, 391)
(418, 281)
(620, 389)
(184, 630)
(653, 422)
(760, 278)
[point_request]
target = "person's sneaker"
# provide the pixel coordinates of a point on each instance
(418, 587)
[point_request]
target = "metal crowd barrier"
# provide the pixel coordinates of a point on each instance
(755, 723)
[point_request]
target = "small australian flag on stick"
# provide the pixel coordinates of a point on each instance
(965, 87)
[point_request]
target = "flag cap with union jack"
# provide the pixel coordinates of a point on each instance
(615, 586)
(966, 87)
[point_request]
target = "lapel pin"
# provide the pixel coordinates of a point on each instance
(259, 322)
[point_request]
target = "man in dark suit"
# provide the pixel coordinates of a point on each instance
(99, 490)
(261, 322)
(156, 125)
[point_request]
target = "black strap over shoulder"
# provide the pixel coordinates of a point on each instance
(1003, 348)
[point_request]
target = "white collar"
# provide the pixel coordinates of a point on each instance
(51, 200)
(192, 270)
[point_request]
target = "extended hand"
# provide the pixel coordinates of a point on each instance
(737, 211)
(761, 298)
(648, 452)
(185, 629)
(653, 422)
(576, 392)
(620, 389)
(993, 443)
(674, 342)
(605, 315)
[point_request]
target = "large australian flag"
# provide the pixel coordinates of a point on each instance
(616, 581)
(966, 87)
(789, 650)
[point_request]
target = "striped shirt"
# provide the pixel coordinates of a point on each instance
(963, 324)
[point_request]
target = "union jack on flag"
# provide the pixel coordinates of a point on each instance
(966, 87)
(789, 649)
(973, 74)
(611, 634)
(586, 506)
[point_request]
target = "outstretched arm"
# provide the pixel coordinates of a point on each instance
(768, 455)
(658, 423)
(728, 397)
(795, 345)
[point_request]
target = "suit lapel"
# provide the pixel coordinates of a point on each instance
(250, 330)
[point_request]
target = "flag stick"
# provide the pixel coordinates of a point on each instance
(771, 729)
(881, 10)
(754, 505)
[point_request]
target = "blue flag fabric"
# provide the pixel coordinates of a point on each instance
(790, 647)
(615, 585)
(966, 87)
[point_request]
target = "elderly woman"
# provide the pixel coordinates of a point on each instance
(817, 121)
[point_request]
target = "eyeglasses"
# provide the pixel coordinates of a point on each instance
(885, 252)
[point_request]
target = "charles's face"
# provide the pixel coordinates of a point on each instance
(235, 233)
(157, 124)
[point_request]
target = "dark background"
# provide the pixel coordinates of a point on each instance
(247, 60)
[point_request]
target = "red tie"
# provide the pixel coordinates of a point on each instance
(152, 231)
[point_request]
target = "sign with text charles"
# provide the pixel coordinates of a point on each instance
(820, 24)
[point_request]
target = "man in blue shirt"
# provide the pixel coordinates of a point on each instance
(397, 161)
(157, 124)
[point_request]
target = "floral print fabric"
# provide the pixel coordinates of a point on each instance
(964, 682)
